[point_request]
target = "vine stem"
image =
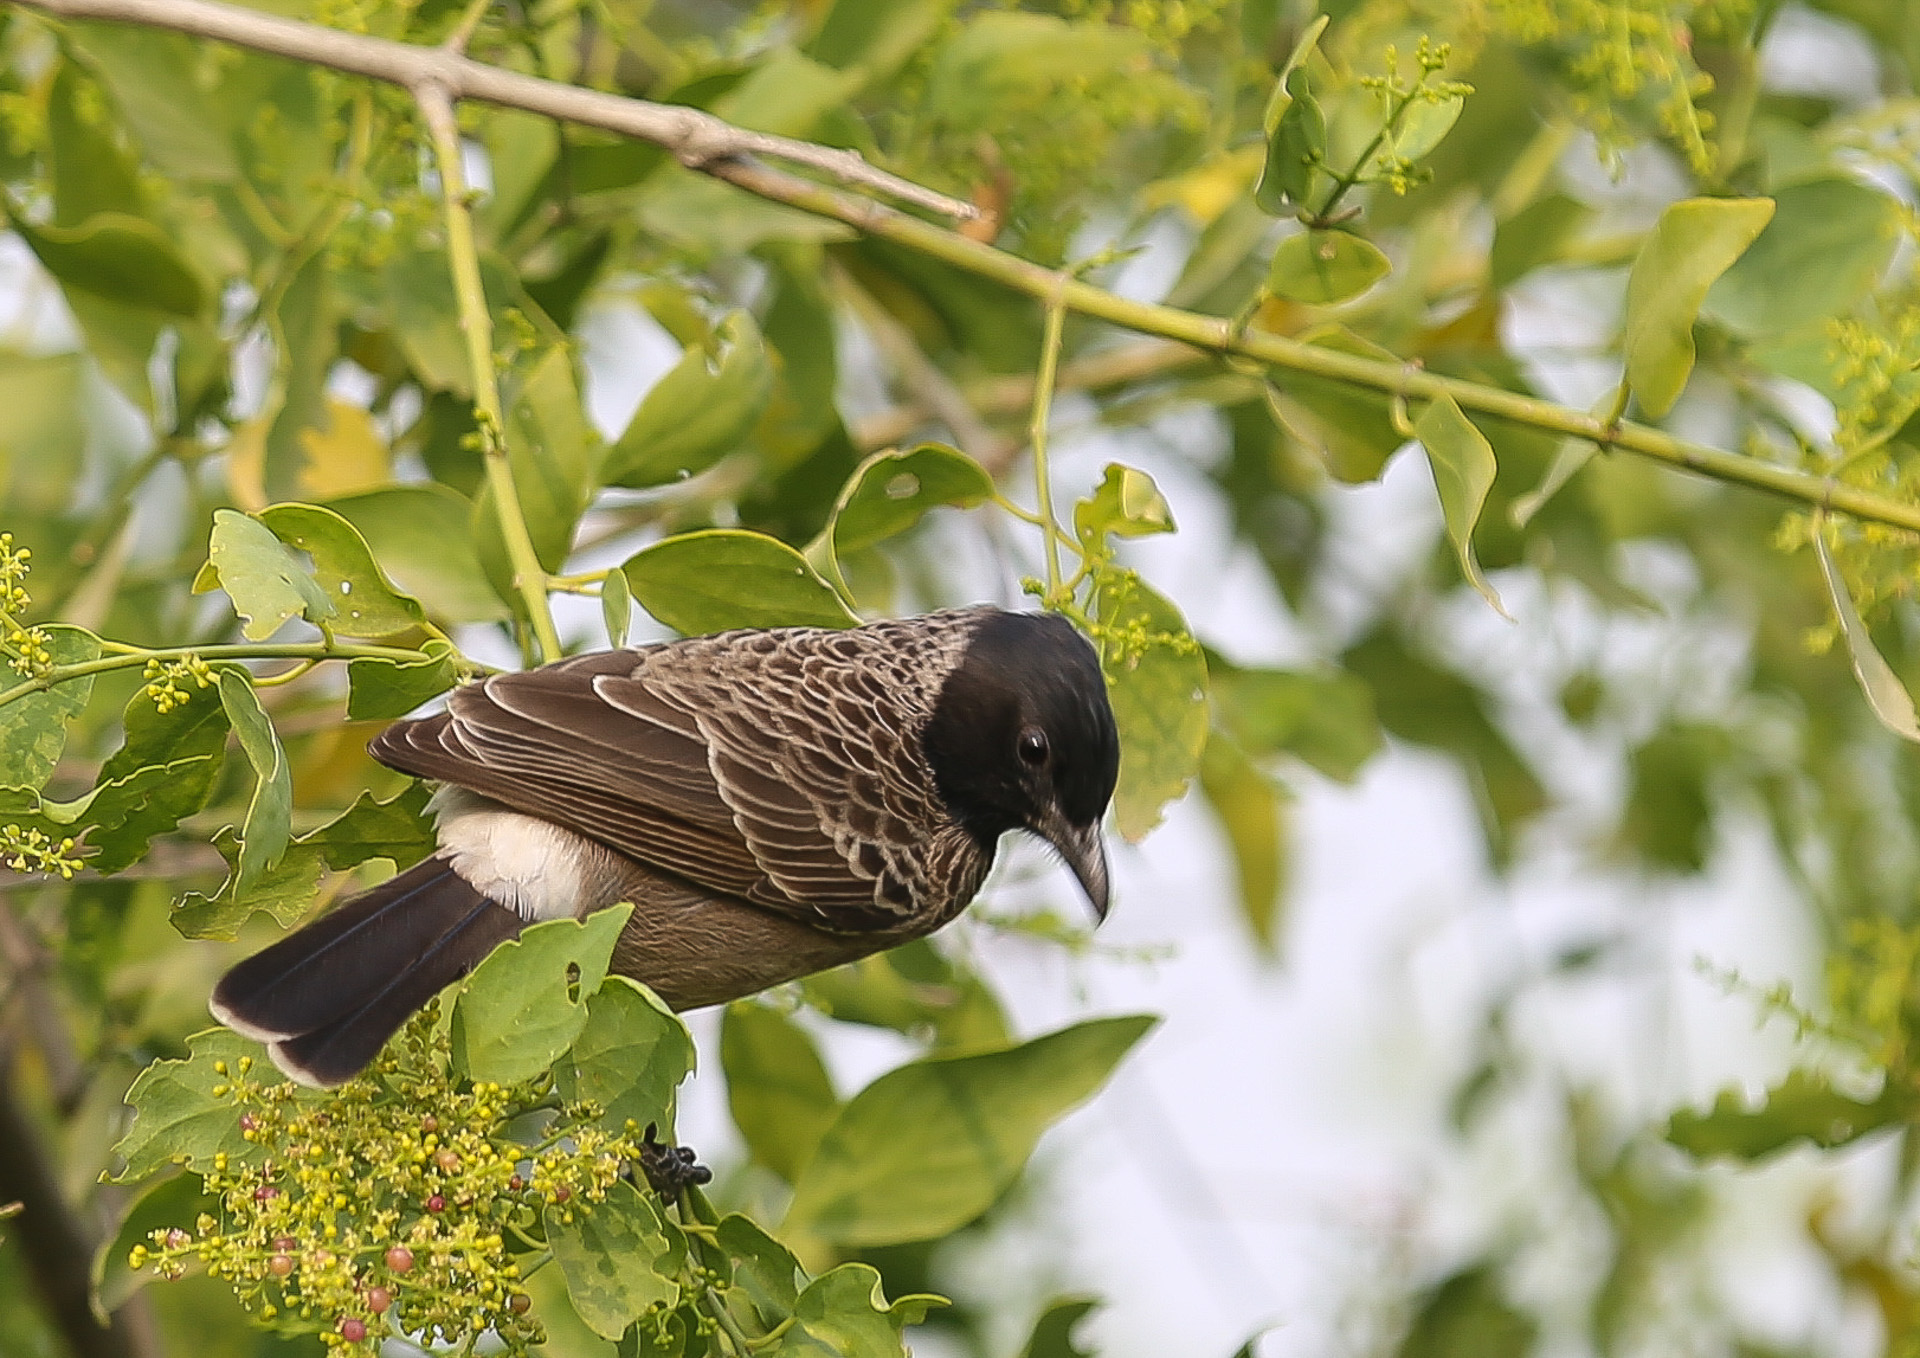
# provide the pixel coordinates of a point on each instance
(724, 152)
(476, 325)
(1042, 415)
(299, 650)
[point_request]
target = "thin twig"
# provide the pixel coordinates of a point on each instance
(298, 650)
(1042, 416)
(696, 138)
(476, 326)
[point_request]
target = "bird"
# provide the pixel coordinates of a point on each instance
(773, 802)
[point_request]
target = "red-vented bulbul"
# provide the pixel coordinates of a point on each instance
(772, 802)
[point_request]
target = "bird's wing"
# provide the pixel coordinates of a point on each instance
(778, 767)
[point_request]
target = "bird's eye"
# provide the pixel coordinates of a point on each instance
(1033, 745)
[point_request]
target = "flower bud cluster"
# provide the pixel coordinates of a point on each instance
(35, 851)
(167, 681)
(397, 1205)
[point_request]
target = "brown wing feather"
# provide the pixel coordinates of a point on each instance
(780, 767)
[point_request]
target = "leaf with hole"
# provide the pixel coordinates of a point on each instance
(527, 1002)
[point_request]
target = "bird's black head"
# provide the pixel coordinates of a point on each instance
(1022, 737)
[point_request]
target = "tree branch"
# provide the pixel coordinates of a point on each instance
(716, 148)
(696, 138)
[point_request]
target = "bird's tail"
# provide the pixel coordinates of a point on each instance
(326, 998)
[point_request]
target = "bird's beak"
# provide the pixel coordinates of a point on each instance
(1086, 853)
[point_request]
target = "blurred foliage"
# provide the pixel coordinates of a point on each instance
(232, 364)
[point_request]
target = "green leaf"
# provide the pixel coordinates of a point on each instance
(121, 258)
(1324, 267)
(1568, 459)
(1467, 1317)
(1126, 504)
(616, 607)
(703, 409)
(1052, 1335)
(554, 453)
(763, 1268)
(1157, 682)
(266, 582)
(727, 577)
(1326, 720)
(1694, 242)
(526, 1003)
(1463, 471)
(844, 1313)
(269, 818)
(1803, 1107)
(43, 430)
(777, 1088)
(33, 729)
(1885, 694)
(1296, 146)
(877, 36)
(1423, 126)
(630, 1057)
(379, 690)
(422, 537)
(892, 491)
(173, 1201)
(1828, 243)
(613, 1254)
(1251, 810)
(396, 829)
(1533, 236)
(189, 742)
(284, 891)
(176, 1117)
(1351, 430)
(929, 1146)
(156, 81)
(366, 604)
(915, 990)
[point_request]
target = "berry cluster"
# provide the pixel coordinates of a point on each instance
(404, 1203)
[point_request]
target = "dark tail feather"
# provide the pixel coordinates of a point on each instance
(327, 997)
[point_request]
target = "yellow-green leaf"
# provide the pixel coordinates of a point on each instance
(1694, 242)
(1885, 694)
(1324, 267)
(1463, 469)
(699, 412)
(1251, 810)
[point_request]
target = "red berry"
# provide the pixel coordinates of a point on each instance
(353, 1329)
(436, 1203)
(515, 1184)
(378, 1300)
(283, 1243)
(265, 1193)
(429, 1123)
(562, 1193)
(280, 1265)
(447, 1160)
(247, 1122)
(177, 1239)
(518, 1303)
(400, 1259)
